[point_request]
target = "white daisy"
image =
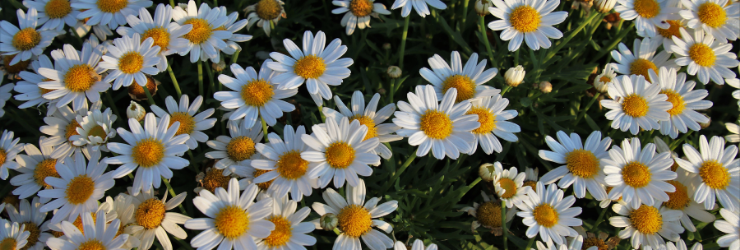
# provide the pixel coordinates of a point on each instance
(527, 20)
(5, 96)
(317, 65)
(339, 152)
(488, 214)
(576, 243)
(355, 218)
(643, 58)
(290, 231)
(100, 234)
(646, 225)
(685, 101)
(78, 190)
(265, 12)
(493, 123)
(29, 89)
(234, 220)
(419, 5)
(75, 77)
(236, 150)
(152, 219)
(254, 95)
(443, 127)
(33, 220)
(418, 245)
(509, 185)
(370, 117)
(35, 166)
(233, 26)
(191, 123)
(358, 13)
(681, 245)
(128, 59)
(718, 169)
(204, 40)
(705, 56)
(731, 227)
(666, 35)
(649, 15)
(9, 148)
(582, 163)
(636, 104)
(284, 156)
(95, 129)
(718, 17)
(734, 130)
(53, 14)
(468, 80)
(683, 200)
(638, 174)
(606, 78)
(13, 235)
(547, 213)
(61, 126)
(735, 83)
(111, 13)
(123, 209)
(153, 151)
(24, 40)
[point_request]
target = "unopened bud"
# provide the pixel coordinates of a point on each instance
(514, 76)
(386, 46)
(135, 111)
(481, 6)
(545, 87)
(604, 6)
(329, 221)
(220, 66)
(706, 124)
(486, 171)
(394, 72)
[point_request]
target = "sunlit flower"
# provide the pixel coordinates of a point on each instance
(286, 169)
(646, 225)
(9, 148)
(643, 58)
(128, 59)
(61, 126)
(488, 214)
(528, 21)
(683, 200)
(419, 5)
(237, 149)
(233, 26)
(718, 17)
(731, 227)
(53, 14)
(123, 209)
(418, 245)
(648, 15)
(547, 213)
(111, 13)
(95, 129)
(358, 13)
(75, 77)
(32, 219)
(13, 234)
(100, 234)
(191, 123)
(152, 219)
(704, 56)
(681, 245)
(265, 12)
(205, 40)
(25, 40)
(290, 231)
(636, 104)
(606, 78)
(509, 185)
(718, 169)
(29, 89)
(469, 80)
(35, 166)
(734, 130)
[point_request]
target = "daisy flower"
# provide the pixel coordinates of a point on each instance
(668, 34)
(13, 235)
(317, 65)
(75, 77)
(5, 96)
(123, 209)
(254, 95)
(718, 169)
(731, 227)
(509, 185)
(290, 231)
(33, 220)
(95, 129)
(9, 148)
(53, 14)
(582, 167)
(493, 123)
(24, 40)
(547, 213)
(681, 245)
(683, 200)
(191, 123)
(735, 83)
(468, 80)
(30, 92)
(716, 17)
(418, 245)
(339, 152)
(111, 13)
(532, 176)
(61, 126)
(152, 219)
(419, 5)
(643, 58)
(153, 151)
(101, 234)
(234, 220)
(264, 12)
(636, 104)
(233, 26)
(527, 20)
(638, 174)
(734, 130)
(370, 117)
(606, 78)
(442, 127)
(646, 225)
(358, 13)
(78, 190)
(212, 178)
(284, 157)
(704, 56)
(237, 149)
(35, 166)
(204, 39)
(355, 218)
(488, 214)
(649, 15)
(685, 101)
(129, 58)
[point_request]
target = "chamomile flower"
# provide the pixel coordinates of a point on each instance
(78, 189)
(648, 15)
(509, 185)
(233, 26)
(95, 129)
(254, 95)
(13, 235)
(731, 227)
(5, 96)
(9, 148)
(101, 234)
(233, 219)
(488, 214)
(418, 245)
(606, 78)
(123, 209)
(191, 123)
(53, 14)
(668, 34)
(153, 151)
(443, 127)
(532, 176)
(339, 152)
(493, 123)
(547, 213)
(35, 166)
(61, 126)
(355, 218)
(718, 169)
(128, 59)
(265, 12)
(205, 40)
(468, 80)
(370, 117)
(111, 13)
(237, 149)
(583, 167)
(735, 83)
(681, 245)
(287, 170)
(419, 5)
(683, 200)
(29, 216)
(642, 59)
(716, 17)
(734, 130)
(290, 231)
(705, 57)
(636, 104)
(152, 219)
(638, 174)
(358, 13)
(685, 101)
(30, 92)
(75, 77)
(25, 40)
(528, 21)
(646, 225)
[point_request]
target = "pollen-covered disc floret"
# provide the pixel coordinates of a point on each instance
(717, 169)
(469, 79)
(129, 58)
(186, 113)
(24, 40)
(150, 218)
(527, 21)
(358, 13)
(235, 152)
(285, 165)
(647, 225)
(75, 77)
(716, 17)
(705, 57)
(648, 15)
(548, 214)
(636, 104)
(641, 58)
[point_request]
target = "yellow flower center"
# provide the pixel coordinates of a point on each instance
(268, 9)
(264, 185)
(33, 238)
(361, 8)
(636, 174)
(45, 168)
(714, 174)
(671, 31)
(79, 189)
(160, 35)
(240, 148)
(509, 187)
(436, 124)
(486, 119)
(3, 156)
(291, 166)
(112, 6)
(677, 100)
(605, 79)
(369, 123)
(525, 19)
(530, 183)
(15, 68)
(712, 14)
(702, 54)
(201, 30)
(187, 122)
(214, 179)
(635, 106)
(647, 8)
(80, 78)
(595, 242)
(26, 39)
(148, 152)
(545, 215)
(92, 244)
(340, 155)
(8, 243)
(309, 66)
(257, 93)
(232, 221)
(677, 200)
(354, 220)
(57, 8)
(98, 131)
(281, 235)
(489, 214)
(646, 219)
(582, 163)
(150, 213)
(464, 85)
(71, 129)
(131, 62)
(641, 66)
(78, 223)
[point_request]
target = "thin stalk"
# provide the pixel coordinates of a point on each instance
(681, 139)
(530, 242)
(112, 104)
(172, 192)
(235, 56)
(402, 50)
(464, 13)
(482, 27)
(572, 34)
(149, 97)
(506, 89)
(174, 80)
(392, 90)
(200, 77)
(598, 221)
(398, 173)
(585, 109)
(321, 107)
(172, 2)
(606, 49)
(516, 56)
(264, 129)
(209, 71)
(503, 224)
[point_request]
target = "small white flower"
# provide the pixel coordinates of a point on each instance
(646, 225)
(731, 227)
(469, 80)
(204, 40)
(514, 76)
(583, 163)
(233, 26)
(14, 234)
(152, 219)
(527, 20)
(191, 123)
(25, 40)
(94, 129)
(9, 148)
(128, 59)
(290, 231)
(53, 14)
(61, 126)
(636, 104)
(29, 216)
(547, 213)
(35, 166)
(111, 13)
(685, 101)
(99, 234)
(358, 13)
(75, 77)
(265, 12)
(648, 15)
(419, 5)
(509, 185)
(234, 152)
(718, 17)
(718, 169)
(704, 56)
(606, 78)
(642, 58)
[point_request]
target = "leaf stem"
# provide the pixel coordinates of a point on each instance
(174, 80)
(572, 34)
(402, 49)
(503, 224)
(149, 97)
(200, 77)
(172, 192)
(585, 109)
(598, 221)
(482, 27)
(530, 243)
(113, 104)
(506, 89)
(398, 173)
(264, 129)
(392, 90)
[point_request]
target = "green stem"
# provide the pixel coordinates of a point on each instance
(209, 71)
(598, 221)
(398, 173)
(200, 77)
(503, 224)
(235, 56)
(506, 89)
(516, 56)
(585, 109)
(681, 139)
(174, 80)
(321, 112)
(172, 192)
(149, 97)
(405, 33)
(572, 34)
(112, 104)
(530, 243)
(604, 50)
(264, 129)
(392, 90)
(482, 27)
(464, 13)
(172, 2)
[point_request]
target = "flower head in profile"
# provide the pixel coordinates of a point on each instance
(527, 21)
(358, 13)
(636, 104)
(95, 129)
(468, 79)
(718, 170)
(265, 13)
(419, 5)
(233, 26)
(24, 40)
(547, 213)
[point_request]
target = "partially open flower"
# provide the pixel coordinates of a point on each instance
(135, 111)
(486, 172)
(514, 76)
(329, 221)
(604, 6)
(488, 214)
(481, 7)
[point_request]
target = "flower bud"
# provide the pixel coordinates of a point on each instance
(604, 6)
(706, 124)
(481, 6)
(386, 46)
(394, 72)
(328, 221)
(220, 66)
(135, 111)
(514, 76)
(545, 87)
(486, 171)
(136, 91)
(602, 81)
